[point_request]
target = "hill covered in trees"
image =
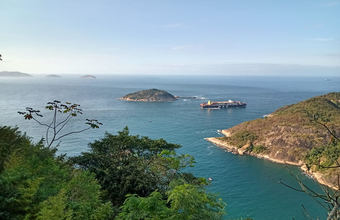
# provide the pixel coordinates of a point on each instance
(294, 134)
(150, 95)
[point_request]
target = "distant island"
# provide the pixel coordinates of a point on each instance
(294, 134)
(53, 75)
(14, 74)
(150, 95)
(88, 77)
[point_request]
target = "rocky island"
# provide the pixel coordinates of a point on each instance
(53, 76)
(88, 77)
(14, 74)
(295, 134)
(150, 95)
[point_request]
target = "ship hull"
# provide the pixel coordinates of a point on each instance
(228, 104)
(224, 106)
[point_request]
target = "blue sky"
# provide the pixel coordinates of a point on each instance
(170, 36)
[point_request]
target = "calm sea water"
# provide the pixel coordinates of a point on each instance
(247, 184)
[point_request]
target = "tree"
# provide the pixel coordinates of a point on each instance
(78, 200)
(35, 183)
(10, 140)
(185, 201)
(55, 127)
(127, 164)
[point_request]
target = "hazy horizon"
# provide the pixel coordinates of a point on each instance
(222, 37)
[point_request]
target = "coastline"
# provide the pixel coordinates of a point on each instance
(319, 177)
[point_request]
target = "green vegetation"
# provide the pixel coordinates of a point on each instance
(37, 184)
(321, 158)
(185, 202)
(153, 95)
(291, 131)
(121, 177)
(125, 164)
(258, 149)
(241, 138)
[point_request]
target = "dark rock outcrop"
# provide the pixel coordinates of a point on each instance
(150, 95)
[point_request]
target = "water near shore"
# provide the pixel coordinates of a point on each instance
(247, 184)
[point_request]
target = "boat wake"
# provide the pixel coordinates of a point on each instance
(308, 175)
(209, 149)
(200, 97)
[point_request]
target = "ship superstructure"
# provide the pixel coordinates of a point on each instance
(224, 104)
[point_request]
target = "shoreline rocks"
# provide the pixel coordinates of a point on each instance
(319, 177)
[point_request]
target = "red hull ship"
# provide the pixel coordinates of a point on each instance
(226, 104)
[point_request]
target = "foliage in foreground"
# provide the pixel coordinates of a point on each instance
(151, 174)
(35, 184)
(138, 177)
(184, 201)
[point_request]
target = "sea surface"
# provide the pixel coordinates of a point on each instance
(248, 185)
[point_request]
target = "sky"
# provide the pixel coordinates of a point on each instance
(249, 37)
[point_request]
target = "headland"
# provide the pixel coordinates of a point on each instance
(295, 134)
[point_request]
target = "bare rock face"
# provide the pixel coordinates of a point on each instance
(150, 95)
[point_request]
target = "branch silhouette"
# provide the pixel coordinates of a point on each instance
(71, 111)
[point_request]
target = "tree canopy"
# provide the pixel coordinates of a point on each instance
(36, 184)
(129, 164)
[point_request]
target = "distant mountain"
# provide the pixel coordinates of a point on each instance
(14, 74)
(150, 95)
(53, 75)
(88, 77)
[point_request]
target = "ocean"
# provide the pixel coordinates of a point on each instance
(248, 185)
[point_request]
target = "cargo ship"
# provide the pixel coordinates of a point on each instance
(226, 104)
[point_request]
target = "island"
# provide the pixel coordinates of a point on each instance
(297, 134)
(53, 75)
(150, 95)
(88, 77)
(14, 74)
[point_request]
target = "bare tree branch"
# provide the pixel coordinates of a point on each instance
(55, 127)
(334, 136)
(73, 132)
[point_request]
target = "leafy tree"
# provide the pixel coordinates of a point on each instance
(10, 140)
(127, 164)
(34, 183)
(78, 200)
(185, 201)
(55, 127)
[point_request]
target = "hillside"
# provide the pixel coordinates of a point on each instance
(291, 135)
(150, 95)
(14, 74)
